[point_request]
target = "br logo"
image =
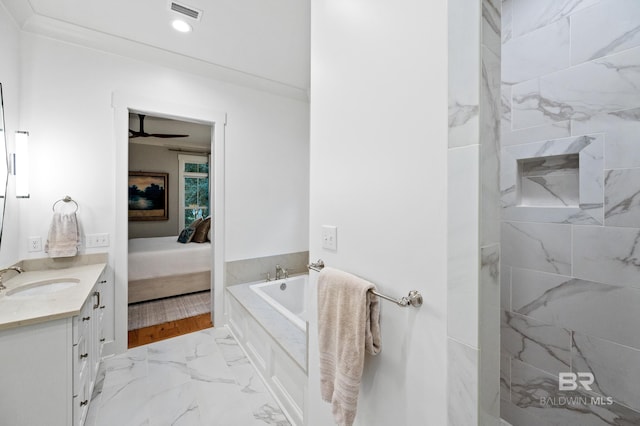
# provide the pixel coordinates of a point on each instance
(570, 381)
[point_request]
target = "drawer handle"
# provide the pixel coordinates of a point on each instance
(84, 355)
(103, 339)
(86, 318)
(102, 307)
(97, 294)
(83, 403)
(103, 282)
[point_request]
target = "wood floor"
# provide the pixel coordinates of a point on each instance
(155, 333)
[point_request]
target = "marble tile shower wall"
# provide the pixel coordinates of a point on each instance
(570, 274)
(474, 213)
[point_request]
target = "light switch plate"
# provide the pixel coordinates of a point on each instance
(97, 240)
(329, 237)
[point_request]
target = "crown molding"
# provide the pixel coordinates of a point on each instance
(85, 37)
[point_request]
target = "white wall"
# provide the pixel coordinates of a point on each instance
(378, 172)
(66, 106)
(10, 79)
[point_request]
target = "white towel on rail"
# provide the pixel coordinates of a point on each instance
(64, 237)
(348, 325)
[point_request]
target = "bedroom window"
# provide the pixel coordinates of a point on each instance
(194, 188)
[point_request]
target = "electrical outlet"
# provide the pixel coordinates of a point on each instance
(97, 240)
(34, 244)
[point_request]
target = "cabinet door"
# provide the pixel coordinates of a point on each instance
(105, 284)
(101, 334)
(81, 405)
(96, 344)
(82, 346)
(82, 361)
(35, 374)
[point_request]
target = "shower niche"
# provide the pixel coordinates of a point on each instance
(554, 181)
(549, 181)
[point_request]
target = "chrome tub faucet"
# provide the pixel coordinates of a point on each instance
(281, 272)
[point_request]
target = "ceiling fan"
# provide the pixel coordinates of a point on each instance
(142, 134)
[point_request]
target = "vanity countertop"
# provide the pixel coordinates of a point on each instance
(26, 310)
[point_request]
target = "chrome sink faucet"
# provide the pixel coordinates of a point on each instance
(10, 268)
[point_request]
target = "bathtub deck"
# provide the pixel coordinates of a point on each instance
(289, 337)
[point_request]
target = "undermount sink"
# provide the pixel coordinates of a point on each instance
(43, 287)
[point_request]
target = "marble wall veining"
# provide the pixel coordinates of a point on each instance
(473, 250)
(570, 275)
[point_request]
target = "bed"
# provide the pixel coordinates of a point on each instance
(162, 267)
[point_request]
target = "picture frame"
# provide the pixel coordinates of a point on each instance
(148, 196)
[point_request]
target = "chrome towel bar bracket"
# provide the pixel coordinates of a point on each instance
(316, 266)
(414, 298)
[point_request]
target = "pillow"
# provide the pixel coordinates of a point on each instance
(195, 223)
(186, 235)
(200, 236)
(209, 234)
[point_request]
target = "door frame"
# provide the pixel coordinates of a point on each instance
(122, 103)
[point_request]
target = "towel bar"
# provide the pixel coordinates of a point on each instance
(414, 298)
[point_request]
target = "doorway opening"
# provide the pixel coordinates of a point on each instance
(169, 230)
(127, 111)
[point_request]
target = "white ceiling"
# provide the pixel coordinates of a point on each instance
(257, 39)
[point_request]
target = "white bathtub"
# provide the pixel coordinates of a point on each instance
(288, 296)
(270, 326)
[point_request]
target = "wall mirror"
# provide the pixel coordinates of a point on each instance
(3, 163)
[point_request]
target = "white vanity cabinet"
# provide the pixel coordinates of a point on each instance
(48, 369)
(87, 352)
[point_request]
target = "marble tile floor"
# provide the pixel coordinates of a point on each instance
(197, 379)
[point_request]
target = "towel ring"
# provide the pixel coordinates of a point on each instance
(66, 199)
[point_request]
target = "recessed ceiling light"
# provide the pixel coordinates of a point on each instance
(181, 26)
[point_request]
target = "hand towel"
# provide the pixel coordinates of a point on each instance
(348, 325)
(64, 237)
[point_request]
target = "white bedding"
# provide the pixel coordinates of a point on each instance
(164, 256)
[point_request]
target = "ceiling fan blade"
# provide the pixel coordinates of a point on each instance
(142, 134)
(166, 135)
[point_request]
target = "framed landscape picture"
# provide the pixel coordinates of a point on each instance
(148, 196)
